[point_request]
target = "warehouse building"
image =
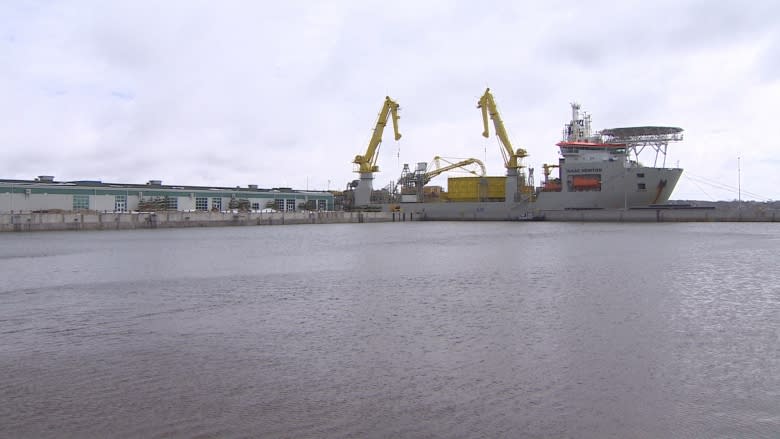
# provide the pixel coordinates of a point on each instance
(44, 194)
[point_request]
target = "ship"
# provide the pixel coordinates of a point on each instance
(595, 171)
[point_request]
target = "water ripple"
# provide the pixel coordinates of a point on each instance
(454, 330)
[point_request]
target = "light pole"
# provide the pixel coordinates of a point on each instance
(739, 184)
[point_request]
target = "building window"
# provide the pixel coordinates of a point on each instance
(81, 202)
(171, 203)
(279, 205)
(216, 204)
(255, 206)
(291, 205)
(120, 203)
(201, 203)
(640, 175)
(322, 205)
(640, 186)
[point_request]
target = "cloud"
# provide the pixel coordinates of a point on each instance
(287, 94)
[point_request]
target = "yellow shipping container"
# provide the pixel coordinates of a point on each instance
(476, 188)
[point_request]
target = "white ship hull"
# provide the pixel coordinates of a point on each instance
(622, 188)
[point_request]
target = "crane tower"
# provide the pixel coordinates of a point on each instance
(366, 164)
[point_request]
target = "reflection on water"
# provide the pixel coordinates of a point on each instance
(454, 330)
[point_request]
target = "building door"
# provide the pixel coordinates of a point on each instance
(120, 203)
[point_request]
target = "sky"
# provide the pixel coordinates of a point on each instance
(285, 94)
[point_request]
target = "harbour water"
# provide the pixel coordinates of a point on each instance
(393, 330)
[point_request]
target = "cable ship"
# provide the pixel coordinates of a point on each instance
(597, 171)
(594, 171)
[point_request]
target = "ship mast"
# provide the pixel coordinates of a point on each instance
(578, 130)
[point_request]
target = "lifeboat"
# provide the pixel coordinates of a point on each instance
(585, 183)
(552, 186)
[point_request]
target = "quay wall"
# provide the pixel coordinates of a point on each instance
(649, 215)
(32, 222)
(501, 212)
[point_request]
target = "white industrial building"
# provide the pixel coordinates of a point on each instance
(44, 194)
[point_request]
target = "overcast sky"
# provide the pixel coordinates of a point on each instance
(286, 93)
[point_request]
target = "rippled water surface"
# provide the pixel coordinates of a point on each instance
(396, 330)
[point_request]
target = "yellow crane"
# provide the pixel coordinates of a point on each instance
(512, 158)
(367, 161)
(366, 164)
(414, 180)
(412, 183)
(516, 187)
(550, 185)
(438, 169)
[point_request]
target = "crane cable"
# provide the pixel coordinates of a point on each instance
(722, 186)
(702, 189)
(398, 153)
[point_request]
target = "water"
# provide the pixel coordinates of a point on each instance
(413, 330)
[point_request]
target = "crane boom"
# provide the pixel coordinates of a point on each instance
(413, 181)
(488, 106)
(367, 162)
(438, 169)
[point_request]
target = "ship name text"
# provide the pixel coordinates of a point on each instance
(582, 171)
